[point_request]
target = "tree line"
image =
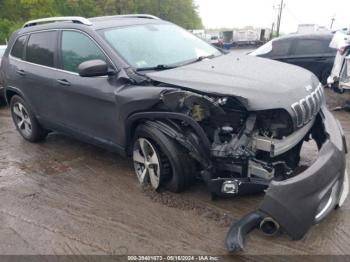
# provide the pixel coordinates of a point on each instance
(13, 13)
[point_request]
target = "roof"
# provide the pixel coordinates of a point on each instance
(108, 22)
(95, 23)
(304, 36)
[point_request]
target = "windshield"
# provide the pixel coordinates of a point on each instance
(154, 45)
(262, 50)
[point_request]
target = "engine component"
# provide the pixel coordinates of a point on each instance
(197, 105)
(198, 113)
(238, 147)
(260, 170)
(277, 147)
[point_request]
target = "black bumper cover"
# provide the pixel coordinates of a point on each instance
(304, 200)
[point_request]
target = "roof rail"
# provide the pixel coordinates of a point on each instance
(146, 16)
(73, 19)
(139, 16)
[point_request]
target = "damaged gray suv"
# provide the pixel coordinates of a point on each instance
(183, 110)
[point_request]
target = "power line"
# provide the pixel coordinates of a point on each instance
(293, 14)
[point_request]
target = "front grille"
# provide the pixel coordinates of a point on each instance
(308, 107)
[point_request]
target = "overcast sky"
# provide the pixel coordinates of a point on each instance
(260, 13)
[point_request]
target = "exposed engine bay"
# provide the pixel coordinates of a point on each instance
(250, 152)
(243, 147)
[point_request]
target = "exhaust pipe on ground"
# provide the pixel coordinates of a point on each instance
(239, 230)
(269, 226)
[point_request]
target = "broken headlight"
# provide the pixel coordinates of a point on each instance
(274, 123)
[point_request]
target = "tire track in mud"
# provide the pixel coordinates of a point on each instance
(95, 246)
(220, 217)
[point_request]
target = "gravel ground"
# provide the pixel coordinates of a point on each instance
(66, 197)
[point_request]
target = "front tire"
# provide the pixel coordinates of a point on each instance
(25, 121)
(160, 161)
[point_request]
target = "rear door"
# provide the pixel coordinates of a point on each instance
(14, 65)
(88, 103)
(38, 73)
(313, 55)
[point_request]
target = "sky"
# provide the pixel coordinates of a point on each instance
(261, 13)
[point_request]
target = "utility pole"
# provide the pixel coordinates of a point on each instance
(333, 19)
(272, 28)
(279, 18)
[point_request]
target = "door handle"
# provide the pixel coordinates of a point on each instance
(63, 82)
(21, 72)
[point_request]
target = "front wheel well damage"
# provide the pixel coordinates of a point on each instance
(177, 127)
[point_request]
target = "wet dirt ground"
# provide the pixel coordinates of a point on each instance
(65, 197)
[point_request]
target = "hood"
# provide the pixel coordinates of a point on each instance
(261, 83)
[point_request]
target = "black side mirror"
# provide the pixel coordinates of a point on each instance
(93, 68)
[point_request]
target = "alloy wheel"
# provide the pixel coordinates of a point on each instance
(146, 163)
(22, 119)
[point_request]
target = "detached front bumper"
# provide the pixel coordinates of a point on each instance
(295, 204)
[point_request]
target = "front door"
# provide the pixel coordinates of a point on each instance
(88, 103)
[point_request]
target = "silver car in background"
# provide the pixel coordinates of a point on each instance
(2, 51)
(338, 79)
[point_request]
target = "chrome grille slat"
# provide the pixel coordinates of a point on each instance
(312, 104)
(308, 107)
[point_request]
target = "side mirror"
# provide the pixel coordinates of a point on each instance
(93, 68)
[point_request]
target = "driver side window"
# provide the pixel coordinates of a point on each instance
(77, 48)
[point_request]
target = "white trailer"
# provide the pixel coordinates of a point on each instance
(311, 28)
(246, 36)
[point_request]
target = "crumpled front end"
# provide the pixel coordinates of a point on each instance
(240, 152)
(307, 198)
(295, 204)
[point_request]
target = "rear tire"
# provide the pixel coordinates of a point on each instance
(176, 168)
(324, 76)
(25, 121)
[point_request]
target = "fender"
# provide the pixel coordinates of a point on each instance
(169, 115)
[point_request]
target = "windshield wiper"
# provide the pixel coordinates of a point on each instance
(165, 67)
(198, 59)
(201, 58)
(157, 67)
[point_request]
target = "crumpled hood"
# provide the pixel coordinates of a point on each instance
(261, 83)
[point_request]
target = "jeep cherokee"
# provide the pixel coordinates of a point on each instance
(182, 109)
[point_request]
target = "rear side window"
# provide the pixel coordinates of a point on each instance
(310, 47)
(18, 47)
(41, 48)
(77, 48)
(280, 48)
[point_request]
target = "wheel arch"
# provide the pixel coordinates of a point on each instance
(138, 118)
(12, 91)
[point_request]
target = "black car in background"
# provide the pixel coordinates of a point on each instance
(310, 51)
